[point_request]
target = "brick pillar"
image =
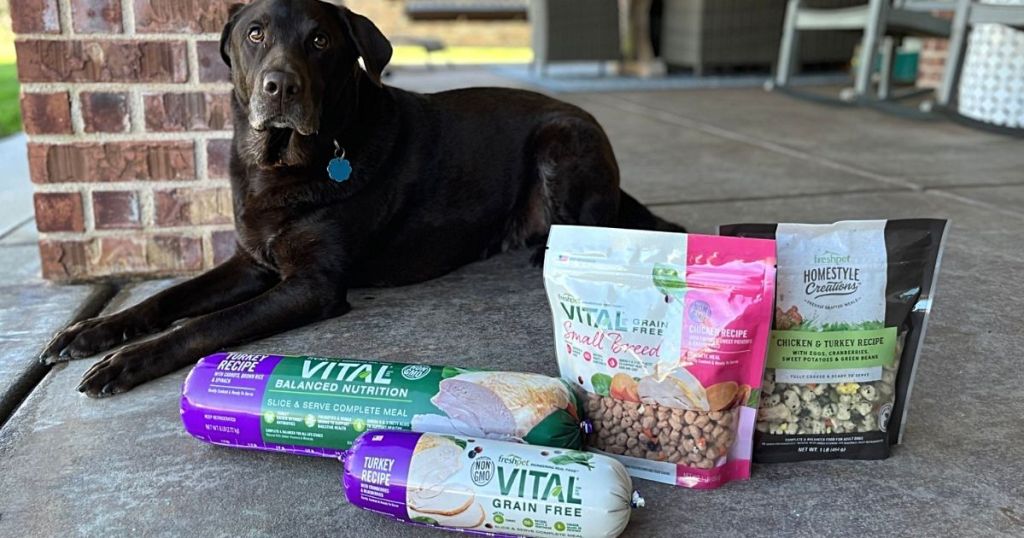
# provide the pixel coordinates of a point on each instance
(127, 107)
(931, 64)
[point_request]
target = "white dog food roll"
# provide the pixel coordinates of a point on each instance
(488, 487)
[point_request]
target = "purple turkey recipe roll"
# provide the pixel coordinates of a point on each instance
(319, 405)
(490, 488)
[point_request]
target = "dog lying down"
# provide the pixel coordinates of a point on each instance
(340, 181)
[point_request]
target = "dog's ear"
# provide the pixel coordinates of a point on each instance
(373, 47)
(225, 36)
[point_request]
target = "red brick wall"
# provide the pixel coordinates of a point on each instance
(127, 107)
(931, 63)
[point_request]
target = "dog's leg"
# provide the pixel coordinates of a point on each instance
(537, 258)
(294, 302)
(232, 282)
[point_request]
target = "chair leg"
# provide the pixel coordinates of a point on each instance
(954, 61)
(869, 45)
(885, 71)
(788, 46)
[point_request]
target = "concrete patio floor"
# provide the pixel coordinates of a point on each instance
(74, 466)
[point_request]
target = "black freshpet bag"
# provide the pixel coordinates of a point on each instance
(851, 308)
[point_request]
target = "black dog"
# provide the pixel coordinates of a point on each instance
(438, 181)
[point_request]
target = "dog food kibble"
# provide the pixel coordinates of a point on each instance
(852, 303)
(666, 335)
(826, 408)
(692, 438)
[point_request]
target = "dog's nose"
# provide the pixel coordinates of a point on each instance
(280, 83)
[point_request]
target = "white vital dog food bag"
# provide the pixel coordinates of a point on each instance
(666, 333)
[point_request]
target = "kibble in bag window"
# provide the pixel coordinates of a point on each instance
(852, 302)
(666, 334)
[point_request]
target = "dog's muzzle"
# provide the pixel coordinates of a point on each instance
(280, 101)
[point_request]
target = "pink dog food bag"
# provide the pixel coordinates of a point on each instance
(666, 333)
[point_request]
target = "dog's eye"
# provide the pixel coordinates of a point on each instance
(256, 34)
(321, 41)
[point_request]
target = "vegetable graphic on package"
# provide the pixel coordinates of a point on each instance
(666, 278)
(574, 456)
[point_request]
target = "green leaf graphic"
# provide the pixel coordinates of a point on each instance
(451, 371)
(569, 458)
(456, 440)
(562, 460)
(667, 280)
(602, 383)
(425, 520)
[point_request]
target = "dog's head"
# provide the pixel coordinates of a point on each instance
(292, 60)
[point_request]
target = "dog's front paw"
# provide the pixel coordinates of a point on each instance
(87, 338)
(537, 258)
(126, 368)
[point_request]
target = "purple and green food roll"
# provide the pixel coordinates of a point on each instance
(319, 405)
(486, 487)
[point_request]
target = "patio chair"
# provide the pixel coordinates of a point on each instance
(705, 35)
(968, 14)
(575, 31)
(878, 20)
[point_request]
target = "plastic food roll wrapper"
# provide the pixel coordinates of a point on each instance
(488, 487)
(319, 405)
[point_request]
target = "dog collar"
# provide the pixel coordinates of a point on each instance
(339, 169)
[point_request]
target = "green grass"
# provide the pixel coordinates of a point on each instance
(10, 107)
